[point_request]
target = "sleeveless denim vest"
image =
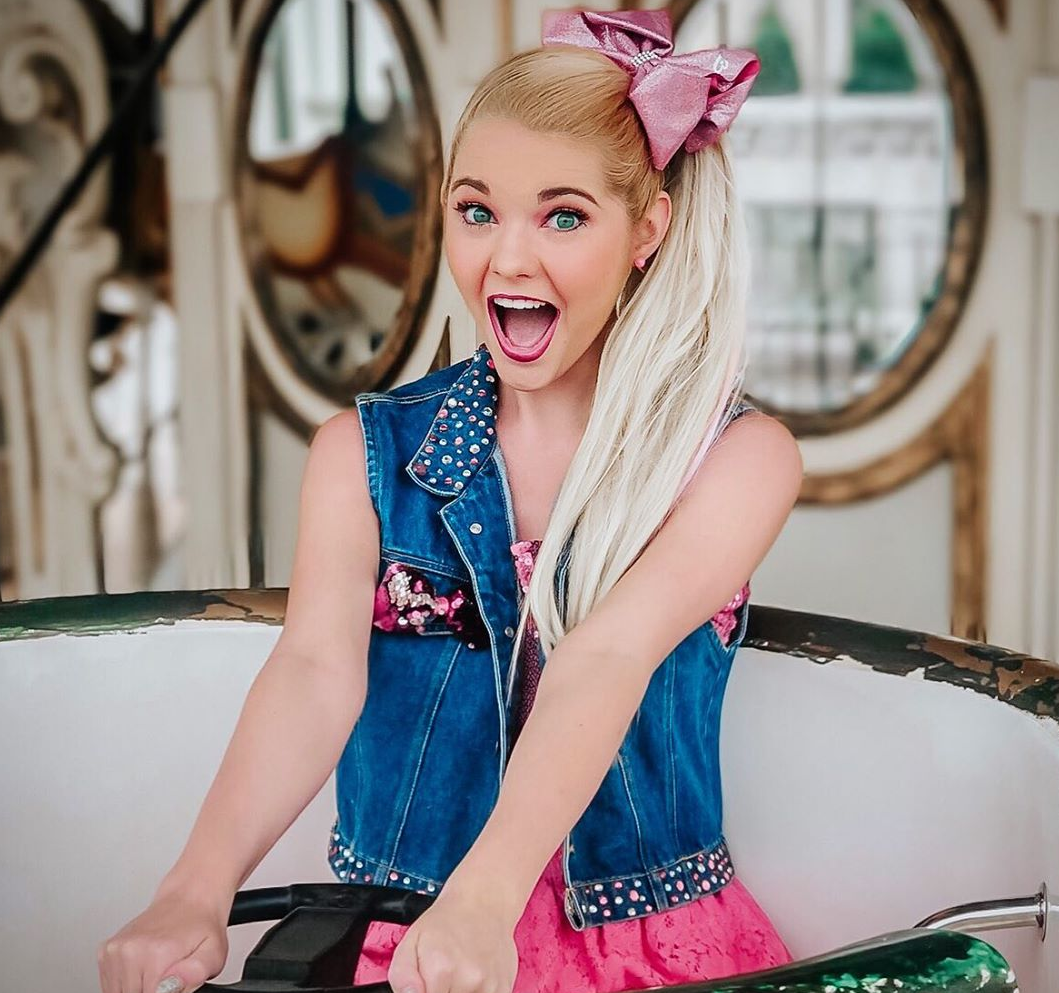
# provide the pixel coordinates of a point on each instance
(422, 768)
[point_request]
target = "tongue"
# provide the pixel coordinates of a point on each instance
(525, 327)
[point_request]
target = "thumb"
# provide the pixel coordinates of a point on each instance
(403, 975)
(188, 974)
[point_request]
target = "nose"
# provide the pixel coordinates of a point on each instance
(513, 254)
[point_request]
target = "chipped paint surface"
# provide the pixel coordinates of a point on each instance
(89, 615)
(1028, 683)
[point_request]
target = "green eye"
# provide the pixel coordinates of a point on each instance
(474, 214)
(567, 220)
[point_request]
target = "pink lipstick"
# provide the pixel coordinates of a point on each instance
(528, 351)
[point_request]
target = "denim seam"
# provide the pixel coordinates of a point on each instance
(424, 564)
(494, 640)
(597, 901)
(651, 881)
(380, 871)
(669, 713)
(632, 806)
(419, 761)
(712, 846)
(370, 464)
(344, 839)
(390, 398)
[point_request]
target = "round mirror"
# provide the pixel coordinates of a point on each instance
(337, 186)
(860, 162)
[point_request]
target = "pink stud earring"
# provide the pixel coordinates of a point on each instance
(640, 263)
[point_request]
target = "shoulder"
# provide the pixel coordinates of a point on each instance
(336, 465)
(756, 453)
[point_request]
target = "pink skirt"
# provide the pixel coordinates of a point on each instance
(710, 938)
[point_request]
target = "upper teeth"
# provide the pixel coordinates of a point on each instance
(518, 304)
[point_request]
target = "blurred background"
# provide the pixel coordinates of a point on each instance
(262, 242)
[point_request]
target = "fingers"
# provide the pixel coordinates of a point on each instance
(440, 976)
(138, 966)
(189, 973)
(107, 983)
(403, 975)
(418, 966)
(120, 963)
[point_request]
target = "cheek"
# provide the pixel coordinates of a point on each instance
(593, 275)
(467, 263)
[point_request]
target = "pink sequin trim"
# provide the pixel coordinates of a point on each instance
(405, 600)
(724, 621)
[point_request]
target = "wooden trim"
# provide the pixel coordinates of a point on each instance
(262, 395)
(961, 436)
(386, 365)
(1028, 683)
(1000, 12)
(506, 26)
(443, 356)
(7, 537)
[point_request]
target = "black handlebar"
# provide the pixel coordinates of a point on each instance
(317, 943)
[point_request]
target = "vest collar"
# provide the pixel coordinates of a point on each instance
(462, 436)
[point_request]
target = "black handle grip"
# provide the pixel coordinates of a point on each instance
(317, 944)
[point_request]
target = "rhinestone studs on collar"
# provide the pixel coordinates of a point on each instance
(463, 429)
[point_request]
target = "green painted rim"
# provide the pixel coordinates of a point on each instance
(1028, 683)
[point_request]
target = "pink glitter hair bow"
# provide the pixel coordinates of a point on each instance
(688, 99)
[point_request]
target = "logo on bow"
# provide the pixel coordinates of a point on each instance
(689, 99)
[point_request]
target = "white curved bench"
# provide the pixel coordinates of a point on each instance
(872, 776)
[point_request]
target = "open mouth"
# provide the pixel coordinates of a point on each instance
(521, 322)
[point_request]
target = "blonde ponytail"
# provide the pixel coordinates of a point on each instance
(679, 335)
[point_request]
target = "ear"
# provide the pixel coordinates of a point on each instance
(652, 227)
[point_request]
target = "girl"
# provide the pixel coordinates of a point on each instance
(519, 582)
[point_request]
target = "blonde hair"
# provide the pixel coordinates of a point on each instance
(679, 335)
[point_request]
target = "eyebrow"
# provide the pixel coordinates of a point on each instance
(549, 194)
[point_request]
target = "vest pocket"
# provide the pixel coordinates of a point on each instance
(411, 599)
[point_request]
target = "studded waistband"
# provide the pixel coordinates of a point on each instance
(351, 867)
(689, 878)
(586, 904)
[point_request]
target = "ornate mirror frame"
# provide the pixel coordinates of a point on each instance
(274, 368)
(964, 243)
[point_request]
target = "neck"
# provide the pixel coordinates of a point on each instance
(558, 411)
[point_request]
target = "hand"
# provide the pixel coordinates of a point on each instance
(178, 938)
(460, 945)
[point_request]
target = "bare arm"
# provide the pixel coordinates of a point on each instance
(296, 719)
(590, 690)
(305, 700)
(596, 678)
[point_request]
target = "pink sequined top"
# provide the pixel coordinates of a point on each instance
(720, 935)
(525, 552)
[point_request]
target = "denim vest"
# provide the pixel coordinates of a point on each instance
(422, 769)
